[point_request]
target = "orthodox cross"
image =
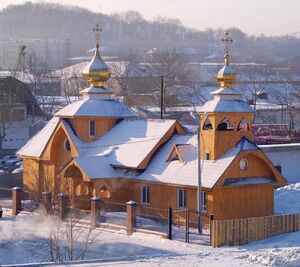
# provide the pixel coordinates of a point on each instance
(227, 40)
(97, 31)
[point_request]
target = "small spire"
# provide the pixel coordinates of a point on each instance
(226, 59)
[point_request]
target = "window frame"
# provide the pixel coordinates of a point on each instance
(203, 201)
(94, 128)
(147, 194)
(181, 199)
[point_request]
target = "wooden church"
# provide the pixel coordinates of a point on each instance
(97, 146)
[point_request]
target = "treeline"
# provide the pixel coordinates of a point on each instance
(131, 32)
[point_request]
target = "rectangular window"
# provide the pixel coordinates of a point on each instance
(181, 198)
(92, 130)
(145, 194)
(204, 201)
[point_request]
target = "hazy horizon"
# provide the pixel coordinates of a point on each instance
(269, 17)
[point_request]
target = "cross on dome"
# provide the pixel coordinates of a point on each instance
(226, 76)
(227, 40)
(96, 72)
(97, 31)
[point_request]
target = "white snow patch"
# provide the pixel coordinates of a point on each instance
(287, 199)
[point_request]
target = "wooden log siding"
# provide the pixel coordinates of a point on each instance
(243, 231)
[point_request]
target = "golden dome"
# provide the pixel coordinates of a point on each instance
(96, 72)
(226, 76)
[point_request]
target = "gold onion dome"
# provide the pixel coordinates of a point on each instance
(96, 72)
(226, 76)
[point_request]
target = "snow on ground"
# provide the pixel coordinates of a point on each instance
(287, 199)
(282, 250)
(22, 243)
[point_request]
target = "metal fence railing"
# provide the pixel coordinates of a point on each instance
(181, 224)
(113, 212)
(30, 201)
(152, 219)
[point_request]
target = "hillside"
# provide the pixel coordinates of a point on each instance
(131, 32)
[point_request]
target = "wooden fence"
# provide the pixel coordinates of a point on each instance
(244, 231)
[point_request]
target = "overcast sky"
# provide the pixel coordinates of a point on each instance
(270, 17)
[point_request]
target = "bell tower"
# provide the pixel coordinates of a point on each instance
(226, 118)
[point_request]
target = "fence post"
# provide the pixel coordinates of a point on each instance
(47, 201)
(62, 205)
(187, 226)
(170, 220)
(17, 200)
(211, 218)
(131, 216)
(95, 211)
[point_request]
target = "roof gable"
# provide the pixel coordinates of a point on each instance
(177, 152)
(260, 169)
(129, 143)
(37, 144)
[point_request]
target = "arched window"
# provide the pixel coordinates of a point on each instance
(104, 192)
(207, 125)
(243, 125)
(225, 125)
(82, 189)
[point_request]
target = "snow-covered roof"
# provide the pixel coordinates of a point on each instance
(91, 166)
(226, 100)
(36, 145)
(280, 147)
(21, 76)
(174, 172)
(96, 108)
(132, 141)
(127, 144)
(222, 105)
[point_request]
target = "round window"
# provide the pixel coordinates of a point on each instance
(67, 145)
(244, 164)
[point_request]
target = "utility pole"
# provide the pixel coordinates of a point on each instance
(162, 98)
(199, 177)
(198, 120)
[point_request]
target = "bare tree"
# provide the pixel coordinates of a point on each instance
(71, 82)
(123, 75)
(285, 96)
(180, 79)
(3, 125)
(69, 239)
(44, 86)
(259, 79)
